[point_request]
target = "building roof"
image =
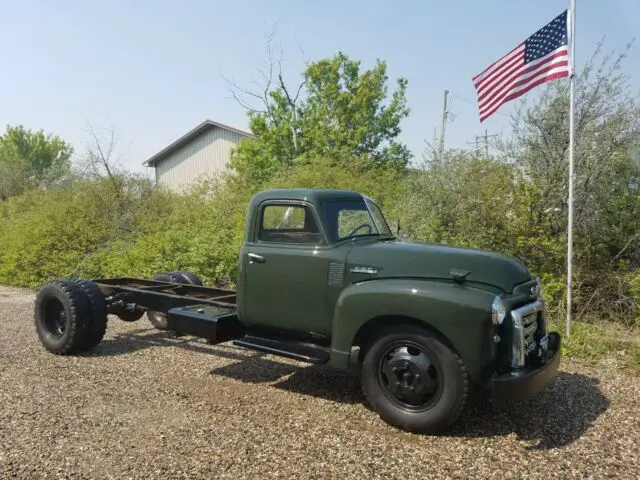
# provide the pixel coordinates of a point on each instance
(190, 135)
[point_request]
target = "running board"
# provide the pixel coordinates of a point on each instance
(295, 350)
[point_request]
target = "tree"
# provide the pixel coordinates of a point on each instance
(337, 112)
(445, 202)
(29, 159)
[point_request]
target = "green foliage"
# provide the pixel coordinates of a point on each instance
(337, 112)
(29, 159)
(48, 234)
(201, 232)
(593, 340)
(447, 203)
(345, 116)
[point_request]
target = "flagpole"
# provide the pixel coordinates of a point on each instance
(572, 44)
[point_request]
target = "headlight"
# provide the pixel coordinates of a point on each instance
(498, 311)
(536, 290)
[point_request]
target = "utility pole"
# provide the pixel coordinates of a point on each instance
(444, 121)
(484, 139)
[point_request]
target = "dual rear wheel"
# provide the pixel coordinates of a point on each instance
(70, 316)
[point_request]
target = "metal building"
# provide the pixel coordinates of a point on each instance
(203, 151)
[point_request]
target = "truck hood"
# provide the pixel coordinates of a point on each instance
(399, 259)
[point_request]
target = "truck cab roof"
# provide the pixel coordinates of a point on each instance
(312, 195)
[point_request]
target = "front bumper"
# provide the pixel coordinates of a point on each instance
(520, 384)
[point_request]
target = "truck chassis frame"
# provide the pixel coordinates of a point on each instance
(204, 312)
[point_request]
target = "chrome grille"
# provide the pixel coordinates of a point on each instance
(525, 324)
(529, 328)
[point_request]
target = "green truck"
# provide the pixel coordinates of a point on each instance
(322, 279)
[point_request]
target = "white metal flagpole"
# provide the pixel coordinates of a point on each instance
(572, 47)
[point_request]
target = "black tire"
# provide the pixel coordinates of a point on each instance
(98, 308)
(63, 317)
(159, 319)
(413, 380)
(189, 277)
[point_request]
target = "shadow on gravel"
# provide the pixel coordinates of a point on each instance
(140, 339)
(316, 381)
(555, 417)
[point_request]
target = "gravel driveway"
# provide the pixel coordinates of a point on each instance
(146, 405)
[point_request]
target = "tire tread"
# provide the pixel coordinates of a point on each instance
(78, 316)
(98, 326)
(417, 427)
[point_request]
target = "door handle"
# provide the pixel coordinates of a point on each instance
(256, 258)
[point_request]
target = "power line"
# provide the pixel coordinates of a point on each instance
(484, 139)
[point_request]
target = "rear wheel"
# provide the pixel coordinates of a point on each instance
(98, 326)
(159, 319)
(63, 317)
(413, 380)
(189, 277)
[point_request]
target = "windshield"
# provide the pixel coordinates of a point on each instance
(354, 218)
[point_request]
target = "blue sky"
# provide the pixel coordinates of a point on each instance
(153, 70)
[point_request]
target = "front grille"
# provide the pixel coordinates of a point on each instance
(529, 329)
(527, 323)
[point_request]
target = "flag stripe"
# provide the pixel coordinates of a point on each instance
(547, 78)
(522, 85)
(506, 76)
(515, 62)
(542, 57)
(517, 86)
(497, 63)
(520, 77)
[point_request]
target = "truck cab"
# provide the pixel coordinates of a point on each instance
(323, 266)
(293, 263)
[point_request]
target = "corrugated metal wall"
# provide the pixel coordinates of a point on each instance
(208, 154)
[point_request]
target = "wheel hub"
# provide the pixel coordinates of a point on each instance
(409, 376)
(60, 323)
(55, 318)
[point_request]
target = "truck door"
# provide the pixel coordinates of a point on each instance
(286, 269)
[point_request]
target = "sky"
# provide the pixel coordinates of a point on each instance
(152, 70)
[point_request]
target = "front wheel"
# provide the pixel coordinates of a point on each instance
(413, 380)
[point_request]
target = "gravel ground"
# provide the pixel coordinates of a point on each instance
(146, 405)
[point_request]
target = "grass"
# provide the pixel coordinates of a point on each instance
(596, 339)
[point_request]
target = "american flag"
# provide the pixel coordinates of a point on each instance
(542, 57)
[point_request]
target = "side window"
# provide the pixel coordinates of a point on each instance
(288, 224)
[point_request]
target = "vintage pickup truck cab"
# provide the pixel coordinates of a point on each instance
(322, 278)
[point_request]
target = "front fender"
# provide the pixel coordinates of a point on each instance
(460, 313)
